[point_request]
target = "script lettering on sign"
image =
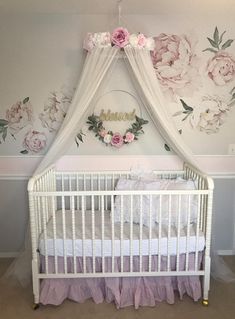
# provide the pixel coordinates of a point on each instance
(117, 116)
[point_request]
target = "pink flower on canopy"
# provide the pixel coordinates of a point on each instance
(120, 37)
(117, 140)
(141, 40)
(129, 137)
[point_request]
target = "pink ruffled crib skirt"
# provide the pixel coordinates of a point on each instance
(137, 291)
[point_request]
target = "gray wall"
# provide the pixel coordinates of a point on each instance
(14, 214)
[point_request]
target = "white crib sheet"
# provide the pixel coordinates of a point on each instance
(155, 247)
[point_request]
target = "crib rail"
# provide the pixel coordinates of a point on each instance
(75, 234)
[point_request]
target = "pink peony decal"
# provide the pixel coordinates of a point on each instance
(129, 137)
(117, 140)
(120, 37)
(34, 142)
(175, 64)
(19, 115)
(221, 68)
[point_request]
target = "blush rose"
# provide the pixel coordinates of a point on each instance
(117, 140)
(120, 37)
(129, 137)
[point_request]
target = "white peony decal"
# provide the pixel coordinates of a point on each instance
(55, 110)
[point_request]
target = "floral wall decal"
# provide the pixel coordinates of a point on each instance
(34, 142)
(176, 64)
(221, 67)
(55, 110)
(212, 105)
(209, 115)
(18, 116)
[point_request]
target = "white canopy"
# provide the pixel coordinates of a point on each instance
(97, 65)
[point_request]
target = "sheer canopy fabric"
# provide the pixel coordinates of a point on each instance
(96, 68)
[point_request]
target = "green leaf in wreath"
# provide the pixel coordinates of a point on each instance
(3, 122)
(211, 50)
(213, 43)
(24, 152)
(227, 44)
(26, 100)
(216, 35)
(167, 148)
(186, 106)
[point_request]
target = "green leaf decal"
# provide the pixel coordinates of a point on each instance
(221, 37)
(210, 49)
(213, 43)
(167, 148)
(216, 35)
(4, 134)
(185, 106)
(24, 152)
(26, 100)
(3, 122)
(227, 44)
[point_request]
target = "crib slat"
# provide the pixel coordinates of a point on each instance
(102, 232)
(93, 233)
(141, 233)
(113, 231)
(131, 236)
(188, 234)
(197, 232)
(178, 234)
(73, 235)
(54, 235)
(150, 231)
(83, 235)
(45, 232)
(121, 234)
(169, 232)
(159, 233)
(64, 235)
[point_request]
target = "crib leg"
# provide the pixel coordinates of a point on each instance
(36, 283)
(206, 281)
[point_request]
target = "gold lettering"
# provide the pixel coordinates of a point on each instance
(117, 116)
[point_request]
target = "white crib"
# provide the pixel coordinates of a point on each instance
(72, 216)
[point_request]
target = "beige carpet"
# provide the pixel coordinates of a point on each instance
(16, 303)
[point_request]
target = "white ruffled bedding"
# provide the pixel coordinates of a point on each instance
(186, 208)
(61, 246)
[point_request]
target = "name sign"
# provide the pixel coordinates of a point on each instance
(117, 116)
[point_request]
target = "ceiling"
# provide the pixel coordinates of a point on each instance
(110, 6)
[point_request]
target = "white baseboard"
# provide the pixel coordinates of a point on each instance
(9, 255)
(229, 252)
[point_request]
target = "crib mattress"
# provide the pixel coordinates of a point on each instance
(52, 243)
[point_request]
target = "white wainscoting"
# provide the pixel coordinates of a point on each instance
(20, 167)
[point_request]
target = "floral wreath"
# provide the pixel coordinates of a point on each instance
(116, 139)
